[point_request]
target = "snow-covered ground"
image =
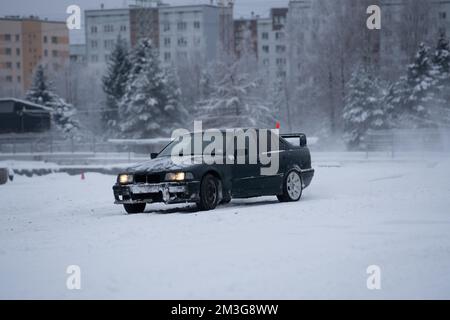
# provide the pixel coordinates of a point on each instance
(392, 214)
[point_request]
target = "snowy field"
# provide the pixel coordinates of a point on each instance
(392, 214)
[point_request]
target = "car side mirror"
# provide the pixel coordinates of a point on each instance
(153, 155)
(303, 141)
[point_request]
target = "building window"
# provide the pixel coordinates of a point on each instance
(166, 26)
(279, 35)
(108, 28)
(54, 53)
(167, 56)
(181, 26)
(18, 65)
(182, 42)
(17, 37)
(45, 53)
(55, 40)
(9, 79)
(8, 51)
(280, 49)
(265, 49)
(167, 42)
(18, 51)
(123, 28)
(94, 29)
(197, 41)
(266, 62)
(8, 65)
(265, 35)
(19, 79)
(443, 15)
(7, 37)
(196, 24)
(45, 39)
(109, 44)
(94, 44)
(281, 61)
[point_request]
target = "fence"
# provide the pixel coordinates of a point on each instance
(401, 141)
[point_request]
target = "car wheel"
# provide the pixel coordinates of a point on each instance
(134, 208)
(292, 187)
(209, 193)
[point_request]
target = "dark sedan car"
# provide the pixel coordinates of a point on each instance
(189, 178)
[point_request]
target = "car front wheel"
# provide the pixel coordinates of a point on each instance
(134, 208)
(292, 187)
(209, 193)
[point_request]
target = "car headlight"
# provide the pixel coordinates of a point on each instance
(179, 176)
(125, 178)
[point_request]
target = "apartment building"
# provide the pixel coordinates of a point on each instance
(102, 28)
(195, 32)
(246, 36)
(26, 43)
(272, 44)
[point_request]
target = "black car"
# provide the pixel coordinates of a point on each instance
(162, 179)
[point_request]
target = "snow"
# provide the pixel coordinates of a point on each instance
(391, 214)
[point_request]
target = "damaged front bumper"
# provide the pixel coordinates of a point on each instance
(168, 192)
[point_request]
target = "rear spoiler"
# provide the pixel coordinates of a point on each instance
(297, 139)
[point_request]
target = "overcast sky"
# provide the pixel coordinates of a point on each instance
(55, 9)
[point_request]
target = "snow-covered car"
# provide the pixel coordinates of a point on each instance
(191, 180)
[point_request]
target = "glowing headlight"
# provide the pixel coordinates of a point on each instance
(178, 176)
(125, 179)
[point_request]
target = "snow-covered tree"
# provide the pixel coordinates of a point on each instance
(441, 60)
(235, 97)
(420, 86)
(150, 107)
(64, 114)
(363, 110)
(114, 83)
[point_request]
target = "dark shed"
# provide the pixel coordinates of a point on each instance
(20, 116)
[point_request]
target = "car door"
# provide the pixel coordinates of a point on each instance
(245, 173)
(271, 184)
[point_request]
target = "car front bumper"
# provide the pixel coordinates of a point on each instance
(167, 192)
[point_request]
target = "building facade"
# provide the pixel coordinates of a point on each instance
(272, 44)
(26, 43)
(195, 32)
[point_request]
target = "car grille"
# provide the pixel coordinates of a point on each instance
(147, 178)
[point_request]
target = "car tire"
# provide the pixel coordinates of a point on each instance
(134, 208)
(292, 187)
(209, 193)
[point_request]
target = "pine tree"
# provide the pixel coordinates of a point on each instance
(363, 110)
(64, 114)
(420, 86)
(441, 60)
(114, 84)
(150, 107)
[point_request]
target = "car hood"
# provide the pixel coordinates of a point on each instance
(164, 164)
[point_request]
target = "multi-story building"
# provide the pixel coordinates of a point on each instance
(102, 28)
(272, 44)
(197, 32)
(246, 36)
(26, 43)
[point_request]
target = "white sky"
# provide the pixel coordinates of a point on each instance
(56, 9)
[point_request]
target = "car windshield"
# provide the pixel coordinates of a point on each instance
(167, 151)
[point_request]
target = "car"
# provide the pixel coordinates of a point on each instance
(166, 179)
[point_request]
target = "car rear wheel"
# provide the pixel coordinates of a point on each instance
(209, 193)
(292, 187)
(134, 208)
